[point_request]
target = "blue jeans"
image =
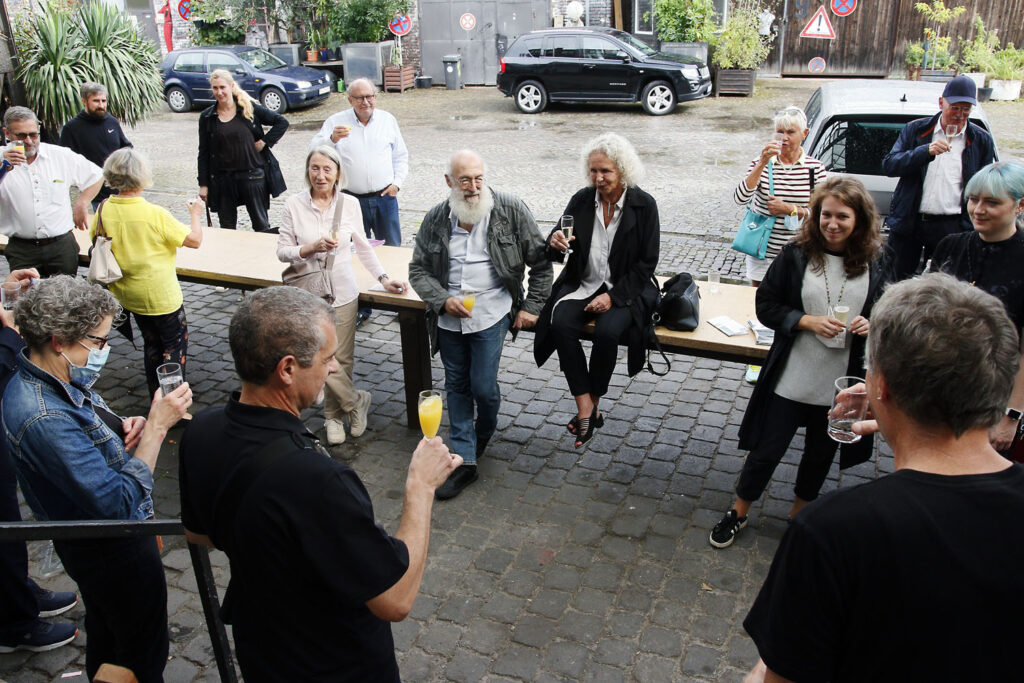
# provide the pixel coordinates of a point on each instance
(380, 219)
(471, 374)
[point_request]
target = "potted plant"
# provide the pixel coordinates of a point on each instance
(739, 50)
(314, 39)
(1007, 73)
(977, 57)
(938, 61)
(912, 57)
(685, 26)
(398, 76)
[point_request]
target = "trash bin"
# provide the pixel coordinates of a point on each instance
(452, 71)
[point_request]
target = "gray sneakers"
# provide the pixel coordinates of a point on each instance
(357, 418)
(335, 432)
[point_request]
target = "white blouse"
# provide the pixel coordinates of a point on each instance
(304, 223)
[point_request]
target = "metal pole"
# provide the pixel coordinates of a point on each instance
(782, 35)
(211, 609)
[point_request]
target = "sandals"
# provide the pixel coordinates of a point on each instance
(574, 424)
(587, 426)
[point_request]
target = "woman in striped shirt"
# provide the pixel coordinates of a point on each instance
(794, 175)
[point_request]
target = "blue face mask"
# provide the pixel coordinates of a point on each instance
(87, 374)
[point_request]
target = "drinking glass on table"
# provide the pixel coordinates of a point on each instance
(714, 279)
(849, 405)
(468, 297)
(565, 224)
(430, 408)
(170, 377)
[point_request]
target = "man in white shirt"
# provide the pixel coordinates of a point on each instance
(480, 241)
(36, 212)
(375, 158)
(934, 158)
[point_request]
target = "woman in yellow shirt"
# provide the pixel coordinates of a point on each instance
(146, 238)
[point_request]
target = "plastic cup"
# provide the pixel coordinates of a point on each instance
(170, 377)
(468, 299)
(714, 279)
(849, 405)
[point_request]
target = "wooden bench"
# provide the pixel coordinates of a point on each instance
(248, 260)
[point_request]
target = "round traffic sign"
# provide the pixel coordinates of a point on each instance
(185, 9)
(467, 21)
(816, 65)
(400, 24)
(843, 8)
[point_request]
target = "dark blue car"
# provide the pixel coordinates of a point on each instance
(277, 86)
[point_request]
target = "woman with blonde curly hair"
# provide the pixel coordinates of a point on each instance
(607, 278)
(235, 163)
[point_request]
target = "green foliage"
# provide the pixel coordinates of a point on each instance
(685, 20)
(914, 54)
(980, 53)
(366, 21)
(63, 46)
(217, 33)
(1008, 64)
(740, 45)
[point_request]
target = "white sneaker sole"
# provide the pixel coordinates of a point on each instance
(732, 538)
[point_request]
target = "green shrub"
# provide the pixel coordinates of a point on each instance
(980, 53)
(740, 45)
(685, 20)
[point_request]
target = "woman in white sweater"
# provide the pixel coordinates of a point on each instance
(310, 232)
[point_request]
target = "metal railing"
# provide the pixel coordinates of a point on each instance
(89, 529)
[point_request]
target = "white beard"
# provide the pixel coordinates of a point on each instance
(471, 214)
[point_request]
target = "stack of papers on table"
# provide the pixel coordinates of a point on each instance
(763, 336)
(728, 326)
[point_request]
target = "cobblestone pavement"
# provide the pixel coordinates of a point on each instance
(558, 565)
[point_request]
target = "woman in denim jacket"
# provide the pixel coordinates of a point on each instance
(73, 461)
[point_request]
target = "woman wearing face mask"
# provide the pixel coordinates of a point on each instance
(78, 460)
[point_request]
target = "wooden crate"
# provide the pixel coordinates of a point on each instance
(734, 81)
(398, 78)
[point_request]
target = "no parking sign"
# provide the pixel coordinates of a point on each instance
(843, 8)
(400, 24)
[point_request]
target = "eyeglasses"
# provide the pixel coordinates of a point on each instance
(102, 341)
(363, 98)
(790, 111)
(466, 182)
(26, 136)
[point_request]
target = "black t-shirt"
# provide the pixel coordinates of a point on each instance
(95, 139)
(912, 577)
(306, 558)
(995, 267)
(234, 146)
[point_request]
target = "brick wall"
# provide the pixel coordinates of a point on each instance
(411, 53)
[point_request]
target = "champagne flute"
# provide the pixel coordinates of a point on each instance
(566, 223)
(430, 408)
(950, 132)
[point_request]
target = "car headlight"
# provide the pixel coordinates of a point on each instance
(304, 84)
(691, 73)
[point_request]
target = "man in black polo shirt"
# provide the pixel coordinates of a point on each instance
(94, 133)
(314, 581)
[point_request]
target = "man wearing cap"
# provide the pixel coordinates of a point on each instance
(934, 158)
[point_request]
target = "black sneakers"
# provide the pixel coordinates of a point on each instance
(463, 476)
(41, 637)
(725, 531)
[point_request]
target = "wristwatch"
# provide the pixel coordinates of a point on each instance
(383, 276)
(1014, 415)
(795, 211)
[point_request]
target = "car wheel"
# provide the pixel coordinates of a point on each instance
(531, 98)
(274, 100)
(658, 98)
(178, 100)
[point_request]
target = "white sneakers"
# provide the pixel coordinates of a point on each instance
(357, 418)
(335, 432)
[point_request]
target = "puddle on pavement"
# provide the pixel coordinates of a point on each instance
(463, 117)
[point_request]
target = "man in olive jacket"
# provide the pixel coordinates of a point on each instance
(477, 243)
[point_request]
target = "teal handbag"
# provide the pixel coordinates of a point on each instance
(755, 228)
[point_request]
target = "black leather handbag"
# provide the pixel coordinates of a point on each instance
(679, 308)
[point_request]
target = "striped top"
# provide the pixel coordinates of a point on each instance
(792, 185)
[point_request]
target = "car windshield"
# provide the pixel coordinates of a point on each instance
(640, 46)
(261, 60)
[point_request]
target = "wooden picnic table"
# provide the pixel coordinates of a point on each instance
(248, 260)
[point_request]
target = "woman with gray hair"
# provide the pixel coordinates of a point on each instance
(74, 461)
(146, 238)
(608, 278)
(319, 228)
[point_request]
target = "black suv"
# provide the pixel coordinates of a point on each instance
(597, 65)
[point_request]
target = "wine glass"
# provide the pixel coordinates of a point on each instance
(565, 224)
(950, 132)
(430, 408)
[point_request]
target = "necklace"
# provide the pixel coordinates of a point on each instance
(828, 289)
(609, 211)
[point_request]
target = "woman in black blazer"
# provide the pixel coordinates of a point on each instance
(608, 278)
(236, 165)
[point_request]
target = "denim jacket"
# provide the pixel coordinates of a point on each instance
(513, 242)
(70, 464)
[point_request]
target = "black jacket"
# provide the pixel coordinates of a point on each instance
(909, 161)
(632, 259)
(95, 139)
(261, 117)
(779, 302)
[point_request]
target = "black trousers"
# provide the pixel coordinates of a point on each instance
(164, 340)
(610, 327)
(122, 585)
(56, 258)
(235, 188)
(18, 607)
(781, 422)
(924, 235)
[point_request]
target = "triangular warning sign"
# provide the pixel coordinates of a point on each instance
(819, 26)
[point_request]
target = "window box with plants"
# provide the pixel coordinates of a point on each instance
(398, 76)
(1007, 73)
(977, 57)
(685, 27)
(738, 51)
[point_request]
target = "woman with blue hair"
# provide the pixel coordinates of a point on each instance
(990, 258)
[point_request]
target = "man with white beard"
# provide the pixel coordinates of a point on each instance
(477, 240)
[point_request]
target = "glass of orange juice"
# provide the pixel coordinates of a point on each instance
(468, 298)
(430, 408)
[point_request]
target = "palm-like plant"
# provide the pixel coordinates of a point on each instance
(64, 47)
